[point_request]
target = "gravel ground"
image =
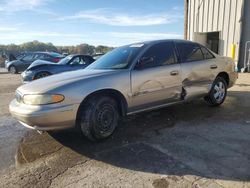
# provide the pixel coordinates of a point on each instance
(186, 145)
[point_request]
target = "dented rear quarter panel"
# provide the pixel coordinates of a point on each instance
(198, 76)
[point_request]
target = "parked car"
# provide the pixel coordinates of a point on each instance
(39, 68)
(127, 80)
(25, 60)
(15, 58)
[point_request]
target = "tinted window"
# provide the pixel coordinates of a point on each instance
(54, 54)
(75, 61)
(28, 57)
(189, 52)
(65, 60)
(21, 56)
(40, 56)
(86, 60)
(206, 53)
(36, 56)
(78, 61)
(162, 54)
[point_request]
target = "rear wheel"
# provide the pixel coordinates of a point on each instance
(99, 117)
(41, 75)
(218, 92)
(13, 69)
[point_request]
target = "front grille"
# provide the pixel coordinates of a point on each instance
(18, 97)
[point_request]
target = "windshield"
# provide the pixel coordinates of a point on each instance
(20, 56)
(65, 60)
(119, 58)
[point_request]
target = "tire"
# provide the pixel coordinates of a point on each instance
(13, 69)
(218, 92)
(99, 117)
(41, 75)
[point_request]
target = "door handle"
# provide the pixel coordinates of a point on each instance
(173, 73)
(213, 67)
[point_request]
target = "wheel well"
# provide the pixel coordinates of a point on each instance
(41, 72)
(225, 76)
(119, 98)
(11, 66)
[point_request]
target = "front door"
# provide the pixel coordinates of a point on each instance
(25, 62)
(156, 78)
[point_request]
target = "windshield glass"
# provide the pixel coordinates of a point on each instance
(119, 58)
(65, 60)
(20, 56)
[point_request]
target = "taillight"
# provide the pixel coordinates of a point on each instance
(56, 60)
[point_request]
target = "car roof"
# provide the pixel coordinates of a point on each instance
(54, 54)
(151, 42)
(79, 55)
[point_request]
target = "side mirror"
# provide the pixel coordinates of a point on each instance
(144, 61)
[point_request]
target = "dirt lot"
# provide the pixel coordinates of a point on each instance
(187, 145)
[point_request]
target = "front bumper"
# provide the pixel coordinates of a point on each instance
(26, 78)
(44, 117)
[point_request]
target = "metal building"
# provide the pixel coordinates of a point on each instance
(221, 25)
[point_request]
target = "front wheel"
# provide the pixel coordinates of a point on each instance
(13, 69)
(99, 117)
(41, 75)
(217, 93)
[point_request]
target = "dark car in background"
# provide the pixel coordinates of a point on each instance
(40, 68)
(17, 57)
(22, 63)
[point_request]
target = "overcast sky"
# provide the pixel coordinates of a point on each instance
(96, 22)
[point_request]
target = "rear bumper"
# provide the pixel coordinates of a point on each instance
(46, 117)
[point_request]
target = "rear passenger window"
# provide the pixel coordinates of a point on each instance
(41, 56)
(162, 54)
(189, 52)
(206, 53)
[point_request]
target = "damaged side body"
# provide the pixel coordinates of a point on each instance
(190, 77)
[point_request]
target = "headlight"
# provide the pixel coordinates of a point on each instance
(42, 99)
(27, 72)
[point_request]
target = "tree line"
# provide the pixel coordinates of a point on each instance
(40, 46)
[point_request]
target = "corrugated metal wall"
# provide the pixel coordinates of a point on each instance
(216, 15)
(245, 32)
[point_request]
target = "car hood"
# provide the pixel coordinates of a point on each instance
(14, 61)
(40, 63)
(52, 82)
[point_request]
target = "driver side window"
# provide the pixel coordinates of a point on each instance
(75, 61)
(159, 55)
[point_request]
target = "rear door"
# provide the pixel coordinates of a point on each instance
(198, 67)
(158, 82)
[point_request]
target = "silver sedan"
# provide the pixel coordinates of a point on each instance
(127, 80)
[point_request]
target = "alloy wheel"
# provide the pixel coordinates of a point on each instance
(12, 69)
(219, 91)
